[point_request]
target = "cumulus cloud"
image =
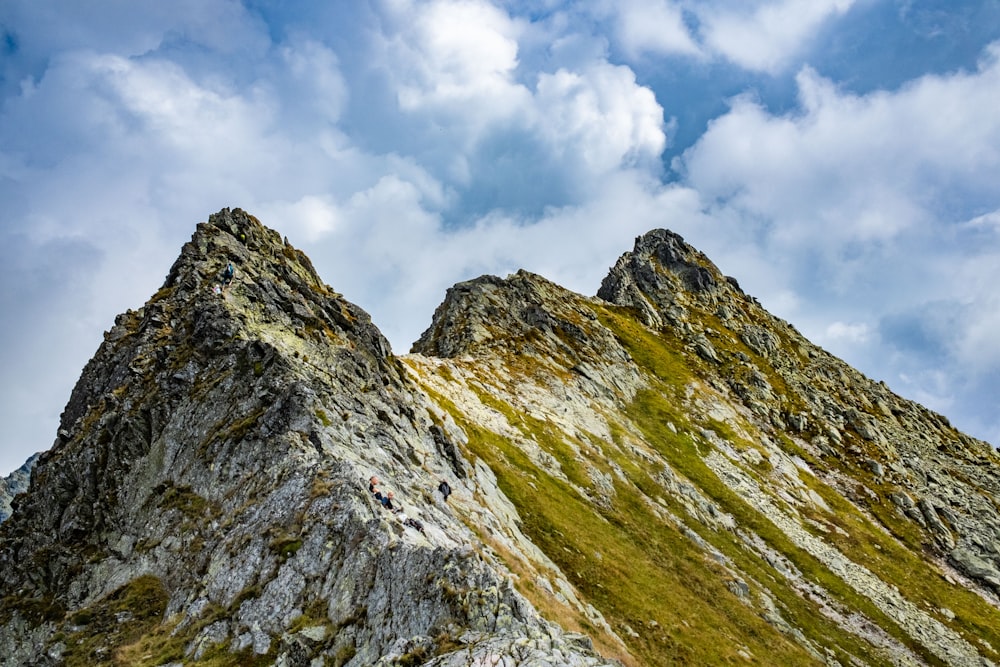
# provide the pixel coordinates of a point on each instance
(35, 32)
(855, 333)
(867, 168)
(759, 36)
(456, 58)
(601, 116)
(430, 142)
(991, 219)
(313, 77)
(652, 27)
(511, 137)
(764, 36)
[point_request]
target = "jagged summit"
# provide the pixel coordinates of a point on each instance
(207, 502)
(661, 267)
(664, 474)
(526, 314)
(276, 300)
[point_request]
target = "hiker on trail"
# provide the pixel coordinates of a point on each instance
(373, 488)
(387, 502)
(445, 489)
(227, 275)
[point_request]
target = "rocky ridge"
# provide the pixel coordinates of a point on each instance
(665, 472)
(206, 501)
(852, 476)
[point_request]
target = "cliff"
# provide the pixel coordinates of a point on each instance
(662, 474)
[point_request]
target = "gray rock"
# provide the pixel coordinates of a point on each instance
(209, 479)
(219, 444)
(976, 567)
(14, 484)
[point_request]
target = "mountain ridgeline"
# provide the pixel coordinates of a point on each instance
(663, 474)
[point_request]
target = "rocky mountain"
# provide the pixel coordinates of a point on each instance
(662, 474)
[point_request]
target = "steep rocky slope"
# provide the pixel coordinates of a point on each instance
(207, 500)
(664, 474)
(752, 475)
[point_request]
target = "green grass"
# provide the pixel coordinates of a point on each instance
(148, 639)
(638, 570)
(897, 561)
(120, 619)
(643, 572)
(656, 407)
(686, 459)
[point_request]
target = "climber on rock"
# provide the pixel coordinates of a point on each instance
(227, 275)
(388, 504)
(445, 489)
(373, 488)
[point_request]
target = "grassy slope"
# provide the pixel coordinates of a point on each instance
(639, 569)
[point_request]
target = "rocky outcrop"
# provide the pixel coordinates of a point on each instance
(208, 493)
(14, 484)
(664, 474)
(856, 425)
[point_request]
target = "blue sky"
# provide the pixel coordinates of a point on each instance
(840, 158)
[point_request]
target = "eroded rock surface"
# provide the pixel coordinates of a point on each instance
(14, 484)
(217, 450)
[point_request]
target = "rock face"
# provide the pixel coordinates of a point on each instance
(213, 464)
(664, 474)
(13, 484)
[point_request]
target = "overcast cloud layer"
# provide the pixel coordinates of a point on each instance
(840, 158)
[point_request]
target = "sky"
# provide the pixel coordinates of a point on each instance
(839, 158)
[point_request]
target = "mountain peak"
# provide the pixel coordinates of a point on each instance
(275, 300)
(659, 268)
(662, 474)
(207, 498)
(490, 313)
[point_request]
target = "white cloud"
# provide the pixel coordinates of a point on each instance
(653, 27)
(601, 115)
(511, 138)
(454, 57)
(851, 333)
(986, 220)
(315, 71)
(765, 36)
(974, 342)
(309, 218)
(135, 28)
(865, 168)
